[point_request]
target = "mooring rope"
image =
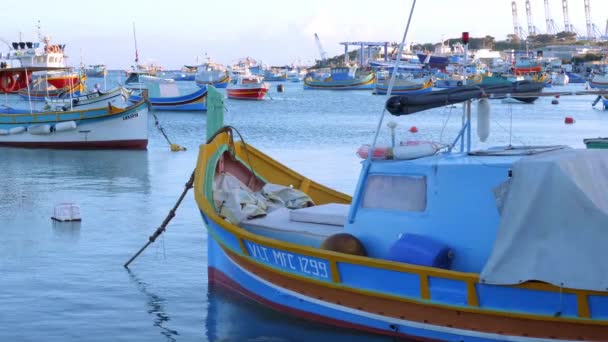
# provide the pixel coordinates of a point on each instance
(166, 221)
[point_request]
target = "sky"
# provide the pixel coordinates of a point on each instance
(174, 33)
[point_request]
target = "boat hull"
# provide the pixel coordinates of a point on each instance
(99, 129)
(356, 310)
(218, 83)
(527, 70)
(247, 93)
(422, 303)
(359, 83)
(191, 102)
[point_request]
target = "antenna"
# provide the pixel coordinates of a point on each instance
(531, 27)
(135, 40)
(551, 27)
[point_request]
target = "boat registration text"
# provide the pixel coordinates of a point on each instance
(293, 262)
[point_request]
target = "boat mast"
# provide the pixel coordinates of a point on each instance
(135, 40)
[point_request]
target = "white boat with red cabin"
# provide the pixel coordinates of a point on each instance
(247, 87)
(38, 55)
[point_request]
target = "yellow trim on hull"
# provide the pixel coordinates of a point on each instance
(274, 172)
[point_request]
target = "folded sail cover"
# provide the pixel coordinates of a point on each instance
(554, 222)
(410, 104)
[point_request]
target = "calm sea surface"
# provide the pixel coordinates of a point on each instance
(65, 281)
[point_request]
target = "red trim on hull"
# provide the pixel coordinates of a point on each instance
(217, 277)
(63, 81)
(247, 94)
(140, 144)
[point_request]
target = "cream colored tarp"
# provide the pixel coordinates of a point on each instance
(554, 222)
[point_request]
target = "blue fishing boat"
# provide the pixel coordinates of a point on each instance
(575, 78)
(342, 78)
(212, 74)
(194, 101)
(438, 243)
(434, 61)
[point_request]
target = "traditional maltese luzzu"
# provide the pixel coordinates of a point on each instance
(439, 243)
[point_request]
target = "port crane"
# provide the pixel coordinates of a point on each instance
(321, 50)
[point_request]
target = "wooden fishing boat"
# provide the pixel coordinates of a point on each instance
(455, 80)
(212, 74)
(601, 143)
(397, 258)
(117, 97)
(404, 86)
(342, 78)
(40, 90)
(599, 81)
(247, 87)
(194, 101)
(107, 127)
(97, 70)
(526, 65)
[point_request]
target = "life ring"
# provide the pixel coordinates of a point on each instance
(459, 83)
(8, 83)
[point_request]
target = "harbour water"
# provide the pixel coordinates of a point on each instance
(65, 281)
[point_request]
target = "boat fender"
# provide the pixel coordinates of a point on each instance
(483, 119)
(459, 83)
(4, 131)
(39, 129)
(421, 250)
(344, 243)
(65, 126)
(16, 130)
(413, 151)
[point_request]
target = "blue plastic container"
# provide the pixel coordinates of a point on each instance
(421, 250)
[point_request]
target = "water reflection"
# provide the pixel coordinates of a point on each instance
(231, 317)
(156, 307)
(67, 231)
(37, 175)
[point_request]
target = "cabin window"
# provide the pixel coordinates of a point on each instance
(403, 193)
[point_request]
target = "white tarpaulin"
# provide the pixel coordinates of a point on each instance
(237, 203)
(554, 222)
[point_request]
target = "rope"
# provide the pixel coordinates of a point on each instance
(174, 147)
(161, 229)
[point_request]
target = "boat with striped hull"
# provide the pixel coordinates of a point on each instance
(107, 127)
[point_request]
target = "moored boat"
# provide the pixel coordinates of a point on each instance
(526, 65)
(404, 86)
(247, 87)
(194, 101)
(397, 258)
(456, 80)
(117, 97)
(212, 74)
(601, 143)
(41, 90)
(107, 127)
(97, 70)
(342, 78)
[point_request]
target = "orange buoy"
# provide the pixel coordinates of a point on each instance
(569, 120)
(413, 129)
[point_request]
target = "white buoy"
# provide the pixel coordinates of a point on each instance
(483, 119)
(65, 212)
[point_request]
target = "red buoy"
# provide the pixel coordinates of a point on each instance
(569, 120)
(413, 129)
